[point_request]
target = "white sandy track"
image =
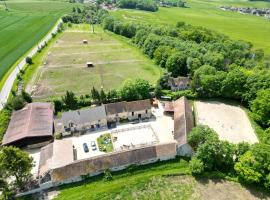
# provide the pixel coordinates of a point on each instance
(230, 122)
(4, 93)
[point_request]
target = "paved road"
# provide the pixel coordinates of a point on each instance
(4, 93)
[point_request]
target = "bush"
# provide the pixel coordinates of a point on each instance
(18, 102)
(29, 60)
(107, 175)
(196, 166)
(58, 136)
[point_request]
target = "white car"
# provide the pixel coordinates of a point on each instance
(93, 145)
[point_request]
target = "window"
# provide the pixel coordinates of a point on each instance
(132, 113)
(146, 111)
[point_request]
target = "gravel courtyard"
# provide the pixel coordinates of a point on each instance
(230, 122)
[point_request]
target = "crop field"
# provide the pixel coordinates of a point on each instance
(26, 23)
(206, 13)
(64, 68)
(230, 122)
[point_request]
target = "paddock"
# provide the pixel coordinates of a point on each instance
(229, 121)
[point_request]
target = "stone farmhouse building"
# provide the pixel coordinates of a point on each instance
(82, 120)
(55, 170)
(128, 110)
(139, 109)
(98, 117)
(179, 83)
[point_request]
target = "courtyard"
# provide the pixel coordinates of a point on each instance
(229, 121)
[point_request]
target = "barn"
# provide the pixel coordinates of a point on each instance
(30, 126)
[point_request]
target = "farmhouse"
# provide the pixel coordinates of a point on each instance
(30, 126)
(82, 120)
(183, 123)
(139, 109)
(179, 83)
(116, 111)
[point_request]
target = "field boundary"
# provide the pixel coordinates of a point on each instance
(11, 75)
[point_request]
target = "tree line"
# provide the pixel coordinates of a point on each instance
(217, 65)
(248, 163)
(130, 90)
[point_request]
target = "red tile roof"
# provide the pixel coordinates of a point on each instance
(34, 120)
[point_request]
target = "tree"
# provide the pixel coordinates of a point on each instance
(112, 96)
(261, 107)
(200, 134)
(16, 164)
(196, 166)
(253, 166)
(161, 55)
(18, 102)
(70, 101)
(95, 95)
(142, 88)
(29, 60)
(128, 91)
(233, 85)
(135, 90)
(4, 121)
(176, 64)
(246, 168)
(27, 97)
(103, 96)
(58, 106)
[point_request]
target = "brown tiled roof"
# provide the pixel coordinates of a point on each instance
(169, 107)
(115, 108)
(138, 105)
(55, 155)
(183, 120)
(116, 159)
(34, 120)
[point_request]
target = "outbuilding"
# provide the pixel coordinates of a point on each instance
(31, 126)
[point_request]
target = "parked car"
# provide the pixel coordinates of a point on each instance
(85, 148)
(136, 121)
(93, 145)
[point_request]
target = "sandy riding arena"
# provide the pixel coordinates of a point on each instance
(230, 122)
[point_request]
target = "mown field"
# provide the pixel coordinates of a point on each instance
(26, 23)
(206, 13)
(152, 182)
(64, 67)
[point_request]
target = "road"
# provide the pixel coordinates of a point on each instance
(4, 93)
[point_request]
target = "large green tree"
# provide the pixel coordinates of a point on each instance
(70, 100)
(261, 107)
(16, 164)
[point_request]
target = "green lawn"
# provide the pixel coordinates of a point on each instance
(105, 143)
(24, 25)
(115, 60)
(159, 181)
(120, 186)
(206, 13)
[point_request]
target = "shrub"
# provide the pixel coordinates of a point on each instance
(107, 175)
(58, 136)
(18, 102)
(29, 60)
(196, 166)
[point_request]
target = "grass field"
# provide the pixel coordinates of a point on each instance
(64, 67)
(24, 25)
(206, 13)
(151, 182)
